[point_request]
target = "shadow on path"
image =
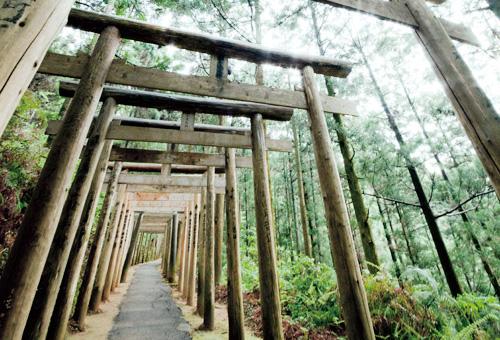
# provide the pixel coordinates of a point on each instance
(148, 311)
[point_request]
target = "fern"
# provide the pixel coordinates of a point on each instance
(468, 332)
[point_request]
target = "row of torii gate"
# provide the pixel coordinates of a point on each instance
(39, 283)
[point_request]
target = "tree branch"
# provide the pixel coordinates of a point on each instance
(464, 202)
(393, 200)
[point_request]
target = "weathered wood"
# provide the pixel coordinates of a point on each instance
(108, 283)
(123, 255)
(27, 29)
(182, 225)
(182, 250)
(167, 240)
(68, 227)
(209, 290)
(25, 265)
(162, 101)
(143, 196)
(186, 180)
(352, 293)
(193, 252)
(144, 77)
(474, 110)
(397, 12)
(204, 43)
(94, 256)
(158, 204)
(54, 126)
(105, 258)
(173, 250)
(200, 296)
(185, 289)
(268, 276)
(234, 295)
(166, 157)
(218, 236)
(116, 275)
(133, 242)
(160, 135)
(169, 189)
(65, 298)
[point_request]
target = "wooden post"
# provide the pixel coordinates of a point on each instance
(200, 296)
(218, 234)
(137, 249)
(209, 291)
(95, 251)
(187, 264)
(123, 256)
(115, 278)
(165, 258)
(173, 249)
(302, 199)
(64, 302)
(475, 111)
(182, 251)
(96, 297)
(114, 254)
(234, 295)
(268, 276)
(69, 223)
(25, 264)
(352, 293)
(193, 253)
(133, 243)
(27, 28)
(180, 235)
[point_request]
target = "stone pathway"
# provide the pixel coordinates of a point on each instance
(148, 311)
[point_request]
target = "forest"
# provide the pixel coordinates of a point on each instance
(423, 211)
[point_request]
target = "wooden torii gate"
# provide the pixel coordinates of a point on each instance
(474, 110)
(57, 211)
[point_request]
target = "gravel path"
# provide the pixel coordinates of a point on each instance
(148, 311)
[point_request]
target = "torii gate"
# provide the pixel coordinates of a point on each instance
(475, 111)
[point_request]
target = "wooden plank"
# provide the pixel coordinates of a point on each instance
(159, 209)
(158, 204)
(172, 157)
(142, 196)
(174, 168)
(204, 43)
(398, 12)
(54, 126)
(162, 101)
(168, 189)
(157, 135)
(27, 28)
(159, 180)
(144, 77)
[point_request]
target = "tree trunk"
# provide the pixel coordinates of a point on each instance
(25, 264)
(353, 298)
(234, 295)
(268, 276)
(358, 202)
(94, 256)
(27, 30)
(437, 238)
(390, 242)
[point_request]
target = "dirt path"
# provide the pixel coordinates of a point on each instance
(148, 311)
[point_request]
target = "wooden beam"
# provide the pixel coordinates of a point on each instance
(398, 12)
(158, 135)
(170, 157)
(166, 132)
(162, 101)
(158, 204)
(160, 180)
(144, 77)
(162, 210)
(143, 196)
(167, 188)
(27, 29)
(54, 126)
(174, 168)
(204, 43)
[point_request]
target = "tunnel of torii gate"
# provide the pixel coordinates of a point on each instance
(171, 204)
